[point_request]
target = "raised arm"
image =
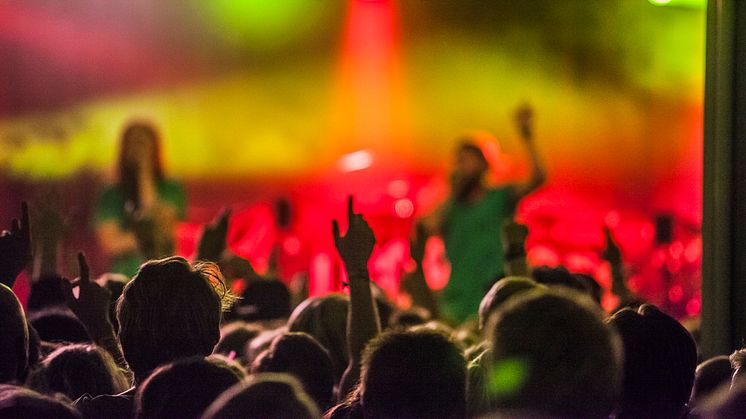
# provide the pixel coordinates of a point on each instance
(514, 243)
(524, 117)
(15, 248)
(92, 308)
(363, 324)
(414, 283)
(613, 255)
(212, 242)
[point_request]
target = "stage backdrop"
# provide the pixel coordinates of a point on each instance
(311, 101)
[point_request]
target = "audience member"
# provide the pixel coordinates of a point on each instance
(709, 376)
(325, 318)
(22, 403)
(302, 356)
(14, 338)
(553, 356)
(58, 324)
(75, 370)
(660, 361)
(182, 389)
(170, 310)
(264, 396)
(413, 375)
(234, 338)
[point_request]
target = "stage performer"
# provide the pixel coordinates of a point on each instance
(136, 218)
(471, 220)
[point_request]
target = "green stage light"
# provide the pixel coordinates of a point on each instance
(261, 24)
(699, 4)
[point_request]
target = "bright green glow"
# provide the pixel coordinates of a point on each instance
(261, 23)
(508, 377)
(681, 3)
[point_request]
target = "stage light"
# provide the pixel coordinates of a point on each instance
(693, 307)
(675, 293)
(398, 188)
(696, 4)
(358, 160)
(403, 208)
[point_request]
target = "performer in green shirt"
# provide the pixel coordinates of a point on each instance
(471, 221)
(136, 218)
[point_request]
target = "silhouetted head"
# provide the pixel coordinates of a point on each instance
(503, 290)
(405, 319)
(22, 403)
(725, 403)
(414, 375)
(58, 324)
(46, 292)
(264, 299)
(302, 356)
(234, 337)
(325, 318)
(170, 310)
(182, 389)
(592, 286)
(558, 276)
(264, 396)
(552, 354)
(660, 360)
(13, 338)
(75, 370)
(710, 375)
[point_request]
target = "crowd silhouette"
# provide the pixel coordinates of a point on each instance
(505, 340)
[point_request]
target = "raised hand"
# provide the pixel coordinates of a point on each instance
(515, 235)
(92, 304)
(356, 246)
(524, 118)
(514, 243)
(614, 256)
(92, 308)
(15, 248)
(611, 252)
(212, 243)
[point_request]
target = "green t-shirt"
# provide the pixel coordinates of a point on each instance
(472, 233)
(110, 206)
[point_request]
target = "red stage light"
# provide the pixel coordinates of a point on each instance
(403, 208)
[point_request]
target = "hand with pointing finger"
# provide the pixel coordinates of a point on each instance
(92, 304)
(356, 246)
(15, 248)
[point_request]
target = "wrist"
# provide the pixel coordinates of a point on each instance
(357, 273)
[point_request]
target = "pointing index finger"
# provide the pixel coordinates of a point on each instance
(24, 217)
(350, 208)
(85, 273)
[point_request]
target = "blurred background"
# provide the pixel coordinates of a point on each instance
(309, 101)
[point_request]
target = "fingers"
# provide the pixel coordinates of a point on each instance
(350, 208)
(85, 273)
(67, 291)
(224, 217)
(335, 232)
(24, 218)
(15, 227)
